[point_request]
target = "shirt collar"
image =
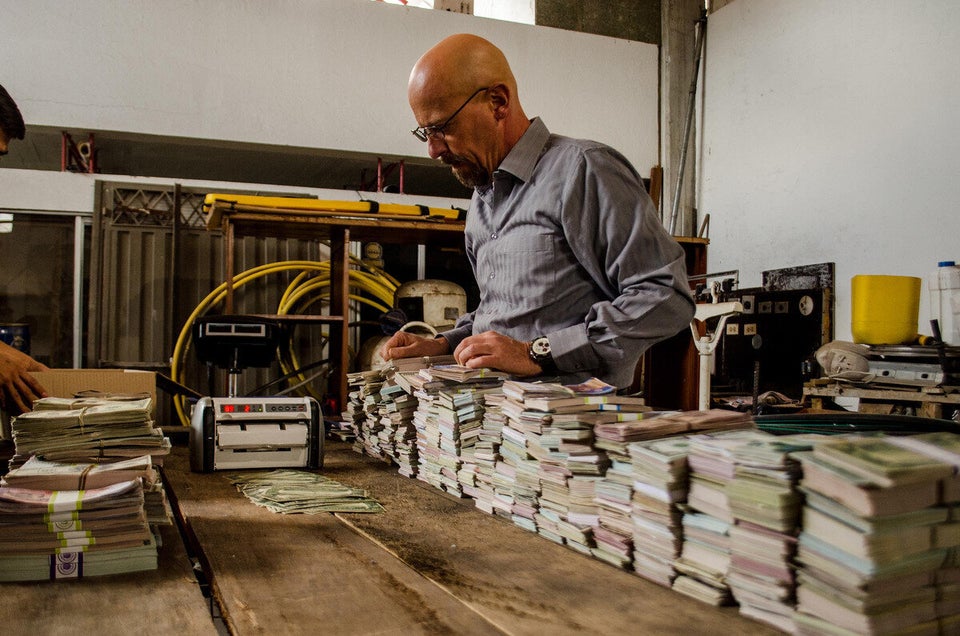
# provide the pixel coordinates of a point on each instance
(523, 157)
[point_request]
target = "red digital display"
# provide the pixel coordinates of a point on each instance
(241, 408)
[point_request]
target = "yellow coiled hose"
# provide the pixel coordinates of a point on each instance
(311, 285)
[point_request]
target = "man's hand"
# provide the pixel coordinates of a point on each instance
(407, 345)
(496, 351)
(18, 389)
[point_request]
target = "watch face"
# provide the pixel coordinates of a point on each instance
(540, 347)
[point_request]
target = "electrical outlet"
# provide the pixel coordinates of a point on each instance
(733, 329)
(750, 329)
(749, 303)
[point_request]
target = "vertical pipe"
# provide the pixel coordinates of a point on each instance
(79, 236)
(698, 47)
(174, 299)
(91, 168)
(228, 238)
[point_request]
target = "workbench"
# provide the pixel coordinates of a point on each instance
(430, 564)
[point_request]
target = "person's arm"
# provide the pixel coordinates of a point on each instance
(613, 228)
(18, 389)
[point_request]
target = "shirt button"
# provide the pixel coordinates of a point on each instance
(491, 276)
(494, 235)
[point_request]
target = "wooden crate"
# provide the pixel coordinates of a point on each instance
(932, 402)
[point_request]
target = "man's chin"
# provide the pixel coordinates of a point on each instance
(470, 176)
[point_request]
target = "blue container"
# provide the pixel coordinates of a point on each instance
(17, 335)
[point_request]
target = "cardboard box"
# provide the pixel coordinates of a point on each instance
(69, 382)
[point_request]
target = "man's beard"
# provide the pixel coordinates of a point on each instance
(466, 172)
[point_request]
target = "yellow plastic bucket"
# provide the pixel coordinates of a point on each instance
(885, 309)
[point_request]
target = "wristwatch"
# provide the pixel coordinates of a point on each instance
(539, 351)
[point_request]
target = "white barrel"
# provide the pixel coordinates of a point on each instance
(944, 286)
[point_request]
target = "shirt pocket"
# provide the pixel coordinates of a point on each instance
(524, 269)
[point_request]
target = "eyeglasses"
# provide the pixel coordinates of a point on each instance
(423, 133)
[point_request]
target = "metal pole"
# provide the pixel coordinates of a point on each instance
(698, 47)
(79, 236)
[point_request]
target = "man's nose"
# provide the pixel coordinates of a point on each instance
(436, 146)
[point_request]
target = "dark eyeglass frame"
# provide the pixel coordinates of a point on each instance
(424, 133)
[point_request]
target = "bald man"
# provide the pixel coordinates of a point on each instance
(577, 276)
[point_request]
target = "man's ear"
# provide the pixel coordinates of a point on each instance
(500, 97)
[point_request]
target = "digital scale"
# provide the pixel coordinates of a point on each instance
(263, 432)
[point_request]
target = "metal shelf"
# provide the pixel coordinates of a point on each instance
(339, 228)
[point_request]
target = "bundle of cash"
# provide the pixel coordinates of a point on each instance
(88, 430)
(299, 492)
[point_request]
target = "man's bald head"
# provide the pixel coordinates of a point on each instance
(459, 65)
(487, 125)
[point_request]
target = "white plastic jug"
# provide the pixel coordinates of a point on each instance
(944, 284)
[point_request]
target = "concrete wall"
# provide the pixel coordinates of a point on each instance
(831, 134)
(326, 74)
(631, 19)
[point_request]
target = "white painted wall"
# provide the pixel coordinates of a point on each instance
(328, 74)
(831, 132)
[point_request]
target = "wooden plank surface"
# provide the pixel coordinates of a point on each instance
(164, 601)
(306, 574)
(361, 573)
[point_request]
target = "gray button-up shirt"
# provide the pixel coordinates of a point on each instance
(565, 243)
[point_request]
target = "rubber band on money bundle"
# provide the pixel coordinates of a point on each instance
(82, 483)
(65, 501)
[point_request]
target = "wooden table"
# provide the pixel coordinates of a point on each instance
(164, 601)
(430, 564)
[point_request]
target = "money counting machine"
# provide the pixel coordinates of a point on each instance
(250, 432)
(263, 432)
